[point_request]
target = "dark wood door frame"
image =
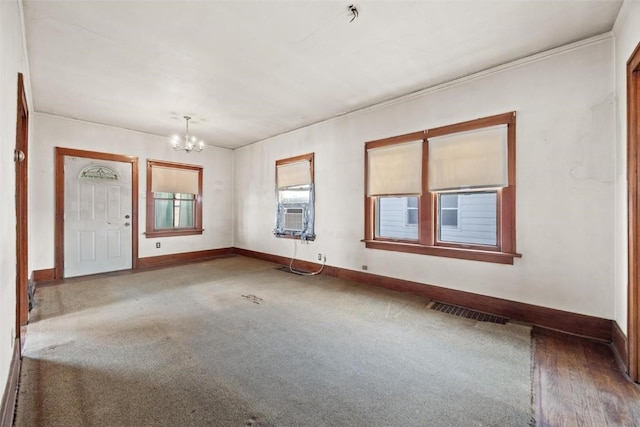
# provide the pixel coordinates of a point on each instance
(59, 224)
(22, 238)
(633, 199)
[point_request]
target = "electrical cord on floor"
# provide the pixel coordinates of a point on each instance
(304, 273)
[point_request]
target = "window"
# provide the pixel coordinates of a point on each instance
(395, 218)
(447, 191)
(448, 210)
(412, 210)
(174, 210)
(468, 218)
(174, 199)
(295, 198)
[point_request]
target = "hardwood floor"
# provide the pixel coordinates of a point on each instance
(577, 382)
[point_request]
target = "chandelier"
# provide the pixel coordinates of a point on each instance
(187, 142)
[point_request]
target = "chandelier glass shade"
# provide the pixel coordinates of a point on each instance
(186, 142)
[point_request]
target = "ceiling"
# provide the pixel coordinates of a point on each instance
(248, 70)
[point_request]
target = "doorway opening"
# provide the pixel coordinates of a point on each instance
(21, 193)
(633, 189)
(96, 227)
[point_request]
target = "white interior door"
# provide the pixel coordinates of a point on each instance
(97, 216)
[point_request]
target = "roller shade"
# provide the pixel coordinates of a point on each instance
(174, 180)
(395, 169)
(469, 160)
(293, 174)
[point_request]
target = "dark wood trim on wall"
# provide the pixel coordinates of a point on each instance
(619, 345)
(60, 154)
(46, 275)
(633, 213)
(564, 321)
(549, 318)
(182, 258)
(277, 259)
(10, 395)
(22, 211)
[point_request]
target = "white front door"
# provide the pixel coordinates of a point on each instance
(97, 216)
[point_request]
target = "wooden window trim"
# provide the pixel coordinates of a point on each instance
(505, 250)
(310, 157)
(151, 232)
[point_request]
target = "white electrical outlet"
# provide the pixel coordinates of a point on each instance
(319, 257)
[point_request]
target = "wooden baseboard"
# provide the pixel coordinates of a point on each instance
(181, 258)
(10, 395)
(619, 346)
(46, 275)
(564, 321)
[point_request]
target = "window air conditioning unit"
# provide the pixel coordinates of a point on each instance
(293, 219)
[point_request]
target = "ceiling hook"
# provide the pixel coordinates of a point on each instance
(354, 11)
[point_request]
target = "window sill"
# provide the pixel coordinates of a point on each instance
(296, 237)
(170, 233)
(459, 253)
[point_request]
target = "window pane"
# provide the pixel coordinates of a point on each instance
(185, 196)
(412, 202)
(174, 213)
(298, 195)
(391, 223)
(449, 201)
(473, 220)
(164, 214)
(163, 195)
(412, 216)
(449, 217)
(183, 212)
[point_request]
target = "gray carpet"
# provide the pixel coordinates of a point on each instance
(235, 342)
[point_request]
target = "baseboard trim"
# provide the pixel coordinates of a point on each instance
(10, 396)
(46, 275)
(549, 318)
(619, 345)
(182, 258)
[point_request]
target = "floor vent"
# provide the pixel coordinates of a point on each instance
(469, 314)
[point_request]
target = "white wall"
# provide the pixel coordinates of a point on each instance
(565, 181)
(51, 131)
(627, 37)
(12, 61)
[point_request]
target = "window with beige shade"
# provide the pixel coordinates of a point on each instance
(174, 199)
(456, 183)
(295, 194)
